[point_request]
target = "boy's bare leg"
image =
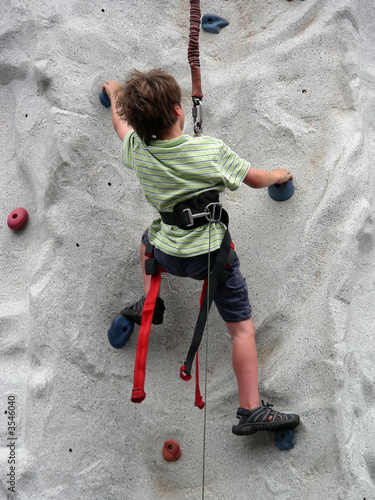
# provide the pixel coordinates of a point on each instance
(245, 362)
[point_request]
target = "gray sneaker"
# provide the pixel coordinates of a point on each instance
(134, 312)
(263, 418)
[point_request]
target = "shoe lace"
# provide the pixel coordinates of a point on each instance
(266, 405)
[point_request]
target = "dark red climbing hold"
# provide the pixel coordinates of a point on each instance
(171, 450)
(17, 218)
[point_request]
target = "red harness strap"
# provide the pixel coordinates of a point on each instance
(139, 394)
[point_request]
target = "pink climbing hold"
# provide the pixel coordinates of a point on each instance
(17, 218)
(171, 450)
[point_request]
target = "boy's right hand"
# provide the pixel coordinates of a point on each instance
(282, 175)
(262, 178)
(110, 87)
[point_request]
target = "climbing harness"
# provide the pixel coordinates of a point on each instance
(188, 215)
(191, 214)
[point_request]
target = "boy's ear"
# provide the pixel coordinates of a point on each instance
(177, 110)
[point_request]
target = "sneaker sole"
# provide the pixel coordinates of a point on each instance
(248, 429)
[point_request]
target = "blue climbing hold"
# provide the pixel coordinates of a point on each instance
(120, 332)
(213, 23)
(281, 192)
(285, 439)
(104, 99)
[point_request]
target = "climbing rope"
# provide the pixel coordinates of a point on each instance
(197, 96)
(206, 367)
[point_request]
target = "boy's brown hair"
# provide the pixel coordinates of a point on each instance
(146, 102)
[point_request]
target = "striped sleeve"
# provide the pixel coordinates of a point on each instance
(233, 168)
(127, 149)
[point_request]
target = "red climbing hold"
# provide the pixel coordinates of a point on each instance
(17, 218)
(171, 450)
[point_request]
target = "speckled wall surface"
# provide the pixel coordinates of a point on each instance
(286, 84)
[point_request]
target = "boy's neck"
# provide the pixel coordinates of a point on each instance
(171, 132)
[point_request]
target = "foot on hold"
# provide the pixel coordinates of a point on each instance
(263, 418)
(134, 312)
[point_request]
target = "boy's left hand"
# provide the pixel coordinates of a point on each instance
(111, 86)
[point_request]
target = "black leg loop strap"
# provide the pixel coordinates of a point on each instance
(225, 255)
(151, 265)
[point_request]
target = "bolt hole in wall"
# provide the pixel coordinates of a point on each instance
(109, 183)
(77, 245)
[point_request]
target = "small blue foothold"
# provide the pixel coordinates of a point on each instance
(281, 192)
(285, 439)
(120, 332)
(104, 99)
(212, 23)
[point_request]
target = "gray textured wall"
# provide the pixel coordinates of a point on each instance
(309, 262)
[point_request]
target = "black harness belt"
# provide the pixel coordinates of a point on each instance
(196, 212)
(188, 215)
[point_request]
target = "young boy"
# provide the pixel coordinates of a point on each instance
(172, 167)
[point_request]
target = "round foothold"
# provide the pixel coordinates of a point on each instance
(104, 99)
(285, 439)
(17, 218)
(120, 332)
(281, 192)
(171, 450)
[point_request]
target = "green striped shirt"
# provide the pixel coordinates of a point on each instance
(175, 170)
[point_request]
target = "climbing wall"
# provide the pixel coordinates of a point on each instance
(286, 84)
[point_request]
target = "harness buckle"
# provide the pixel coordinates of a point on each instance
(190, 217)
(212, 212)
(215, 214)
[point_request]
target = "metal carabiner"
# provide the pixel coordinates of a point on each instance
(197, 113)
(212, 212)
